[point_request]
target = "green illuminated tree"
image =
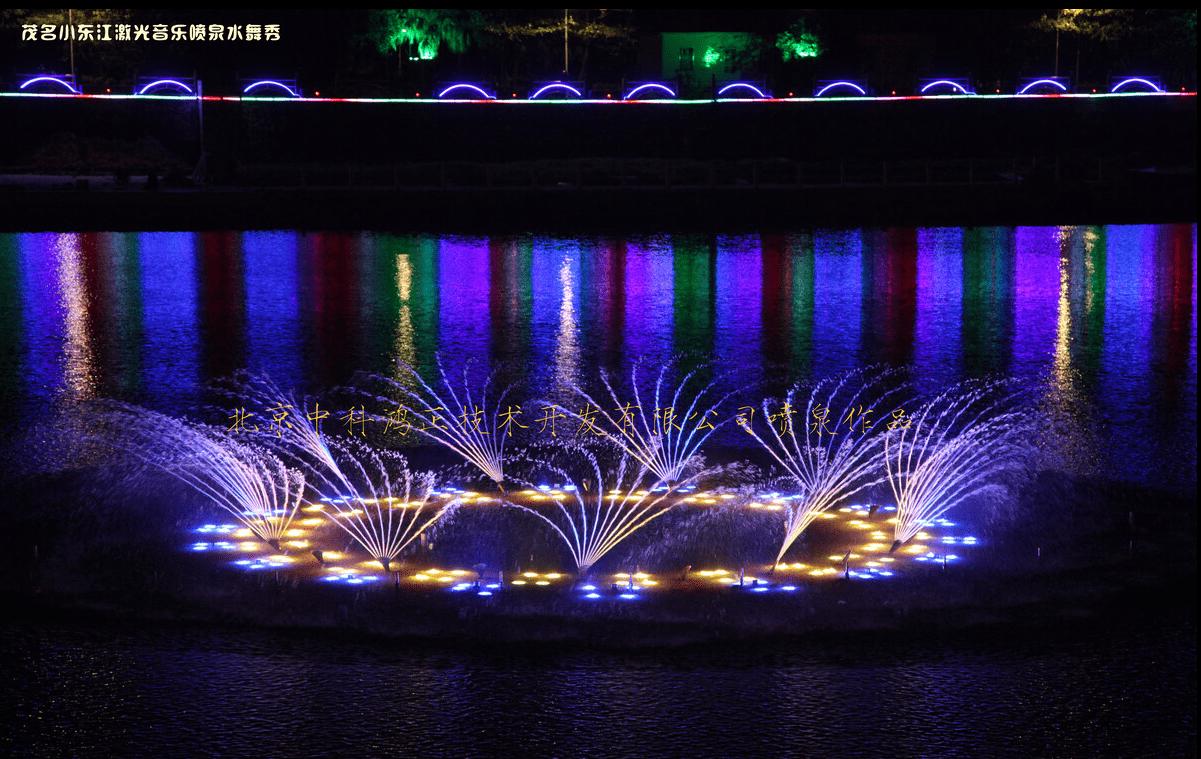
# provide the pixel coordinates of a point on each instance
(798, 42)
(422, 32)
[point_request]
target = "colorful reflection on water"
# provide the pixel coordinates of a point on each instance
(1102, 319)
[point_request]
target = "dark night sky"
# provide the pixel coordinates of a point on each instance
(325, 47)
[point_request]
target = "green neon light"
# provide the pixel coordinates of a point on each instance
(712, 57)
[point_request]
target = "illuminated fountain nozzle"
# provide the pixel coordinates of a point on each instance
(895, 545)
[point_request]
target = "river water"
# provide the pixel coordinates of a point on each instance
(1099, 322)
(1123, 689)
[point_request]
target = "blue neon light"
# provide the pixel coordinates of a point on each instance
(63, 82)
(483, 94)
(1037, 82)
(641, 87)
(1137, 80)
(568, 87)
(750, 87)
(286, 88)
(829, 87)
(955, 85)
(174, 82)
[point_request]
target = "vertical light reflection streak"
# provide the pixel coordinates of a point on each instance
(79, 369)
(404, 347)
(567, 346)
(938, 351)
(1062, 376)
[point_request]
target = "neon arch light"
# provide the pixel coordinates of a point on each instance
(750, 87)
(554, 86)
(63, 82)
(166, 82)
(1138, 80)
(483, 94)
(1037, 82)
(264, 82)
(945, 81)
(641, 87)
(829, 87)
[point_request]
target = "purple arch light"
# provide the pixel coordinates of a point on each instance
(1139, 80)
(956, 85)
(59, 80)
(750, 87)
(641, 87)
(829, 87)
(263, 82)
(485, 95)
(174, 82)
(1037, 82)
(554, 86)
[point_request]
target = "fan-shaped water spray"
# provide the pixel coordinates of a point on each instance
(594, 509)
(371, 494)
(665, 437)
(244, 479)
(374, 498)
(836, 453)
(463, 419)
(951, 449)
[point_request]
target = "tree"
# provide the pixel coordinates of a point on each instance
(421, 32)
(97, 63)
(798, 42)
(579, 27)
(1166, 37)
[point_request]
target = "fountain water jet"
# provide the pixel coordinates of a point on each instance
(462, 420)
(667, 441)
(953, 447)
(247, 481)
(377, 501)
(375, 498)
(593, 519)
(827, 465)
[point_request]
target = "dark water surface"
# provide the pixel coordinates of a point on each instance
(1113, 689)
